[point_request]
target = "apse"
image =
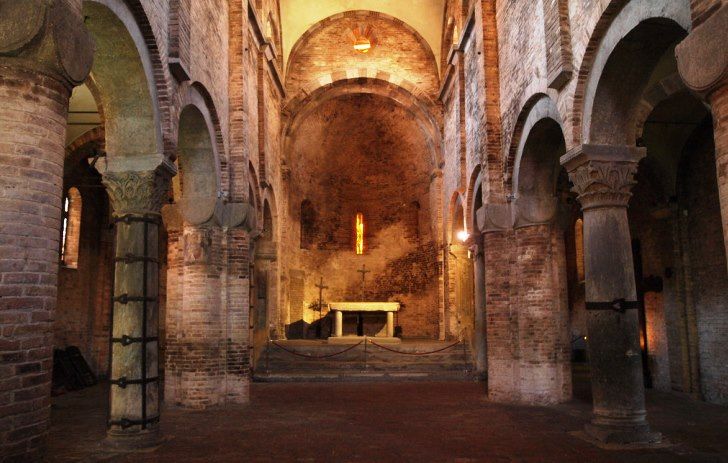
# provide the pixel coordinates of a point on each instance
(360, 196)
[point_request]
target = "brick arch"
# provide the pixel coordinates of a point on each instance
(456, 200)
(160, 77)
(618, 19)
(95, 136)
(429, 67)
(359, 14)
(538, 107)
(654, 95)
(475, 181)
(422, 108)
(196, 94)
(124, 29)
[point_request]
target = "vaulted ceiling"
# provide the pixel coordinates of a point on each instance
(425, 16)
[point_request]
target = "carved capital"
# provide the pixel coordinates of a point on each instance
(603, 175)
(702, 58)
(137, 192)
(46, 36)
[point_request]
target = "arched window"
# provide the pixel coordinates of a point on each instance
(359, 228)
(71, 228)
(579, 241)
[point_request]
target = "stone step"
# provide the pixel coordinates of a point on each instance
(354, 376)
(277, 365)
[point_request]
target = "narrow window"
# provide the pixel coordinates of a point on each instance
(71, 228)
(359, 233)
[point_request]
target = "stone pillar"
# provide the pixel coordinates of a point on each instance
(338, 323)
(479, 305)
(136, 198)
(702, 60)
(44, 52)
(390, 324)
(603, 177)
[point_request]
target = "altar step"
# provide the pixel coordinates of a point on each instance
(301, 361)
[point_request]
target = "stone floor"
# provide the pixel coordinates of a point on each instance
(382, 422)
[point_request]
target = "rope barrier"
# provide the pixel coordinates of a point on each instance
(413, 353)
(307, 356)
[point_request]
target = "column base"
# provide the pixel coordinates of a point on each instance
(144, 441)
(623, 435)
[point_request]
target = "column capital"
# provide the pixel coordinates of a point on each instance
(137, 192)
(46, 36)
(702, 58)
(603, 175)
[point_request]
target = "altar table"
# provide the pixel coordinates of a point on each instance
(340, 307)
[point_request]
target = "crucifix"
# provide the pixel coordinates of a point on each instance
(363, 272)
(321, 288)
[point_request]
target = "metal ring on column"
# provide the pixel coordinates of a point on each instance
(618, 305)
(128, 423)
(126, 340)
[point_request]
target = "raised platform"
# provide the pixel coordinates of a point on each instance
(349, 360)
(348, 340)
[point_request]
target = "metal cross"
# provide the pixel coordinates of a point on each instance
(363, 272)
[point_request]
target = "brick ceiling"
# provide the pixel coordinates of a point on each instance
(425, 16)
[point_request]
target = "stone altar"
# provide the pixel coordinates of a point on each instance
(338, 308)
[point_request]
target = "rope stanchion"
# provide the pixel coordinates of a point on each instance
(308, 356)
(414, 353)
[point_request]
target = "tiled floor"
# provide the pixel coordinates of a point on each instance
(382, 422)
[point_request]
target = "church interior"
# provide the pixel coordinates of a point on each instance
(364, 230)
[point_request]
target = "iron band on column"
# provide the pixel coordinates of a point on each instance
(123, 382)
(131, 258)
(128, 340)
(618, 305)
(125, 423)
(129, 218)
(125, 299)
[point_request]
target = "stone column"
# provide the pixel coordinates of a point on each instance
(702, 60)
(603, 177)
(390, 324)
(479, 304)
(338, 323)
(44, 52)
(136, 198)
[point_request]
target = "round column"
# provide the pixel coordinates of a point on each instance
(136, 198)
(603, 177)
(44, 52)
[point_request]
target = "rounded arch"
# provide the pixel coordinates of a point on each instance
(361, 15)
(474, 198)
(270, 214)
(538, 108)
(616, 22)
(254, 195)
(129, 78)
(456, 221)
(198, 183)
(422, 110)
